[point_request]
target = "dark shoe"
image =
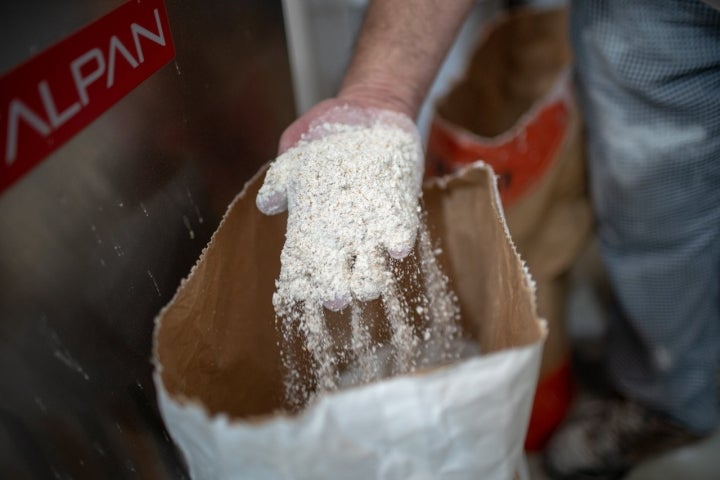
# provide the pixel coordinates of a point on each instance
(605, 438)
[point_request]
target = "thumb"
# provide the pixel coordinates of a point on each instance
(272, 196)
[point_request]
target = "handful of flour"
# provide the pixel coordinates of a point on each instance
(352, 191)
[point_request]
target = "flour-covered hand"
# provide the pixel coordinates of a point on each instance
(351, 185)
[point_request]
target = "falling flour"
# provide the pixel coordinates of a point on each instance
(352, 198)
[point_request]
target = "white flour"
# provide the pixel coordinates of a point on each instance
(352, 197)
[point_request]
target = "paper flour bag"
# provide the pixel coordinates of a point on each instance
(219, 374)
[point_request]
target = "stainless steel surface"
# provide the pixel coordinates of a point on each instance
(95, 240)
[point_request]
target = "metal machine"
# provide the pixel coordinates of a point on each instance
(97, 237)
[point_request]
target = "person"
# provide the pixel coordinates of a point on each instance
(648, 82)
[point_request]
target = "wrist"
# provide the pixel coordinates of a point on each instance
(380, 96)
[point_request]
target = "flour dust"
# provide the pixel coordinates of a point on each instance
(362, 186)
(415, 324)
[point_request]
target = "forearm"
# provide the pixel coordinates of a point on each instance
(400, 49)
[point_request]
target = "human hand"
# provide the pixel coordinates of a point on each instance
(350, 179)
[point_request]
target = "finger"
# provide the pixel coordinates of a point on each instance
(401, 241)
(295, 279)
(272, 196)
(369, 275)
(337, 304)
(332, 276)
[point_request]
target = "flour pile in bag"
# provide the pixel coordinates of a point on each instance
(338, 232)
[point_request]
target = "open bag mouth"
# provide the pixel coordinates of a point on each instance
(218, 364)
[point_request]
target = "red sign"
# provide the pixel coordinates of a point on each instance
(47, 100)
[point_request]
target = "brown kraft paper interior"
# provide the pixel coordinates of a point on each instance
(216, 343)
(514, 65)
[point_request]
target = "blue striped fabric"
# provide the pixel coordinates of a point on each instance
(648, 81)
